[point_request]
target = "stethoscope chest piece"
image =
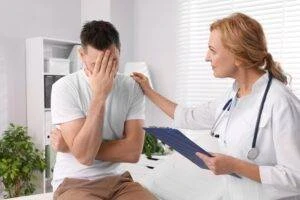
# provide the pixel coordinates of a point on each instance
(252, 154)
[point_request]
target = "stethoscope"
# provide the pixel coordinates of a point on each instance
(253, 152)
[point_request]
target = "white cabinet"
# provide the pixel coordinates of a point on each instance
(47, 60)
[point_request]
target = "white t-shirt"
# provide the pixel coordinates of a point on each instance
(70, 100)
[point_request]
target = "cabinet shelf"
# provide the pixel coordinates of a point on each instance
(38, 52)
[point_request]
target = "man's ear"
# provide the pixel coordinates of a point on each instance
(81, 53)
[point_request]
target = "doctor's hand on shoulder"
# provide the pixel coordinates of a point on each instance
(163, 103)
(143, 81)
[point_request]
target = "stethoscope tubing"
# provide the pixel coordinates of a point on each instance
(228, 106)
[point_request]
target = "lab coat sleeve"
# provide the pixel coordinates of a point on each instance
(200, 117)
(285, 175)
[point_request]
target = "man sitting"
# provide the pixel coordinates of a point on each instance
(100, 116)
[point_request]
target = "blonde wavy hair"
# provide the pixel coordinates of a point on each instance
(244, 37)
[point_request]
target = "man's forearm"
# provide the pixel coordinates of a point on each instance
(122, 150)
(87, 142)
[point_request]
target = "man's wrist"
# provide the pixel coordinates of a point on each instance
(97, 106)
(99, 99)
(148, 91)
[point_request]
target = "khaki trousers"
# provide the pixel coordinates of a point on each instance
(119, 187)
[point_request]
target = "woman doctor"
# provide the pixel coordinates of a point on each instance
(256, 121)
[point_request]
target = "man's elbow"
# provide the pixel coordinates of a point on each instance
(83, 157)
(134, 158)
(85, 161)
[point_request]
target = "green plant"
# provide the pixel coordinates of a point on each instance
(19, 159)
(152, 146)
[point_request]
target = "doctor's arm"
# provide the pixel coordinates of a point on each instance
(222, 164)
(163, 103)
(200, 117)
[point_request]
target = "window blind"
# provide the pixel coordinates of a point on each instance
(195, 82)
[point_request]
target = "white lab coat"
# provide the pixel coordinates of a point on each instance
(278, 138)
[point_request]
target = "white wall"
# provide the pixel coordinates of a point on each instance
(95, 10)
(147, 31)
(3, 92)
(122, 16)
(120, 13)
(154, 43)
(20, 20)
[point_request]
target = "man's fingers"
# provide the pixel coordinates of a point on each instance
(114, 69)
(55, 131)
(110, 64)
(98, 62)
(87, 72)
(53, 137)
(104, 61)
(53, 141)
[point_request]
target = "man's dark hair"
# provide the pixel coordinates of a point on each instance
(100, 35)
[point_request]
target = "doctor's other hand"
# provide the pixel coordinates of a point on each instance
(57, 141)
(219, 164)
(143, 81)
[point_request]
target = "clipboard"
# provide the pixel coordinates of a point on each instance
(182, 144)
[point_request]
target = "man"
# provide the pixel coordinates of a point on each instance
(100, 117)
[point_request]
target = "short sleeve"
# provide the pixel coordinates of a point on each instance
(64, 103)
(136, 104)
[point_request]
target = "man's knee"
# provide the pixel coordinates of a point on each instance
(134, 191)
(77, 195)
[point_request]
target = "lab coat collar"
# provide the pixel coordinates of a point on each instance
(263, 80)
